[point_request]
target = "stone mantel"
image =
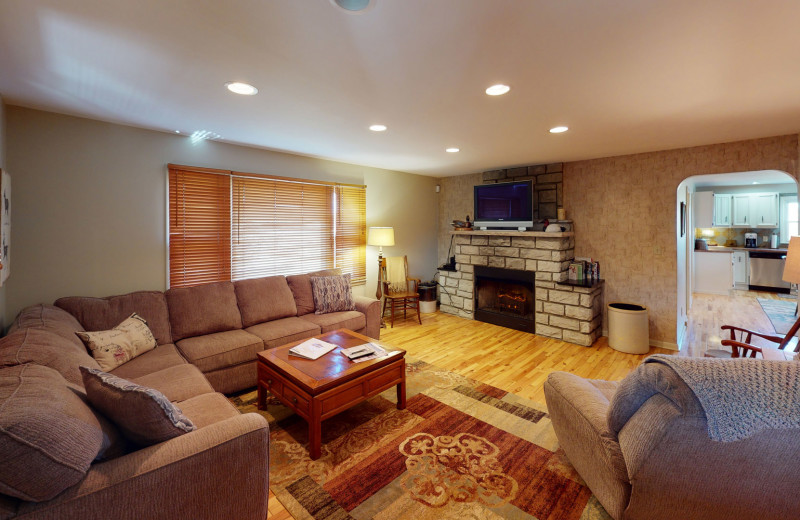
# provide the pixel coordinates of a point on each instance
(510, 233)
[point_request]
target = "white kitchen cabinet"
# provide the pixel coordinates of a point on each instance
(703, 209)
(741, 211)
(722, 211)
(764, 210)
(755, 210)
(713, 272)
(740, 270)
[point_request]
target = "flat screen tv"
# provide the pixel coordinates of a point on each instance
(504, 205)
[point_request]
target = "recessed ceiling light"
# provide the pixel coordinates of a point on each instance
(378, 128)
(498, 90)
(756, 182)
(452, 150)
(177, 131)
(558, 129)
(354, 6)
(244, 89)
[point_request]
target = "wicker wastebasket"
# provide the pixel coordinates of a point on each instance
(628, 328)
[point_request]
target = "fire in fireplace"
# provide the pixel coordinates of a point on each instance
(505, 297)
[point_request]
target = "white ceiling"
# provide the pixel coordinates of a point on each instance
(625, 75)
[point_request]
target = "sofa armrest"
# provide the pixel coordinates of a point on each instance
(578, 409)
(219, 471)
(371, 308)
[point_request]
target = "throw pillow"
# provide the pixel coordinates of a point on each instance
(111, 348)
(143, 415)
(332, 294)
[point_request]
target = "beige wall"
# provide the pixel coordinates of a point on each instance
(90, 202)
(624, 210)
(408, 204)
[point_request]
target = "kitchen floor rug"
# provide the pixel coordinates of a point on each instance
(461, 449)
(780, 313)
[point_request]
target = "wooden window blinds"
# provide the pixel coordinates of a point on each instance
(274, 226)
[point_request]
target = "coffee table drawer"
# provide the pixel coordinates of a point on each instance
(296, 400)
(272, 383)
(385, 379)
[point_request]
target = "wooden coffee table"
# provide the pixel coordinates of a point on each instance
(321, 388)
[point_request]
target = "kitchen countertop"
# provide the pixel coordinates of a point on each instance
(723, 249)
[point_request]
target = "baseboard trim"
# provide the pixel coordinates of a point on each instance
(669, 345)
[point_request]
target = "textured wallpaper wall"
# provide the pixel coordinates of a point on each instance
(624, 213)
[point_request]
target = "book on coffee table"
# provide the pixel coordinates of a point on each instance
(312, 349)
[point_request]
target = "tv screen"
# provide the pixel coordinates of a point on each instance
(505, 202)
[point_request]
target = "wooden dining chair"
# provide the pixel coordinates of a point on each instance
(741, 346)
(399, 294)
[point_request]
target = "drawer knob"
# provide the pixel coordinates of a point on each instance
(269, 381)
(294, 400)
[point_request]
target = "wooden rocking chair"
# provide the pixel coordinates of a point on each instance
(399, 300)
(740, 342)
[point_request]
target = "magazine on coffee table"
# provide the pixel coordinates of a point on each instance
(364, 352)
(312, 349)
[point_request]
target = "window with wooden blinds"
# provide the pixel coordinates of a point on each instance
(226, 225)
(199, 227)
(280, 227)
(351, 232)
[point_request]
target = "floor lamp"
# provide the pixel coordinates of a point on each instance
(791, 269)
(380, 236)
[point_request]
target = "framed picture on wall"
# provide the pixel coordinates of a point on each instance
(5, 226)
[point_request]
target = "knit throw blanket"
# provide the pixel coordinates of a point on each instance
(741, 397)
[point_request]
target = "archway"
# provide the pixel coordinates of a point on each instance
(688, 202)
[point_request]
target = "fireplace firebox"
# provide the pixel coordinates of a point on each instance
(505, 297)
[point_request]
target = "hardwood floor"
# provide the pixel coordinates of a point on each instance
(519, 362)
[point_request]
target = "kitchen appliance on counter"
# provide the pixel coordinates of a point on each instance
(700, 244)
(766, 271)
(751, 240)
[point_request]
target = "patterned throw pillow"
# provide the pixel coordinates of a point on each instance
(332, 294)
(143, 415)
(111, 348)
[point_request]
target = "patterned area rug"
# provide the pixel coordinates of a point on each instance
(460, 450)
(780, 313)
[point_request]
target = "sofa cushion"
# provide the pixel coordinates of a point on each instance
(48, 435)
(161, 357)
(47, 349)
(352, 320)
(112, 348)
(208, 409)
(300, 284)
(203, 309)
(280, 332)
(221, 349)
(176, 383)
(144, 415)
(49, 318)
(105, 313)
(264, 299)
(332, 294)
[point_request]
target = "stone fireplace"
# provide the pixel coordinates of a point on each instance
(560, 310)
(505, 297)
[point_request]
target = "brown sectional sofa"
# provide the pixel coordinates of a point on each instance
(207, 337)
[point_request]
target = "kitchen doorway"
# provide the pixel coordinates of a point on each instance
(713, 214)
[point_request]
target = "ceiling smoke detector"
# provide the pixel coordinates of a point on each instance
(354, 6)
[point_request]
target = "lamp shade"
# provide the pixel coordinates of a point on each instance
(791, 270)
(384, 236)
